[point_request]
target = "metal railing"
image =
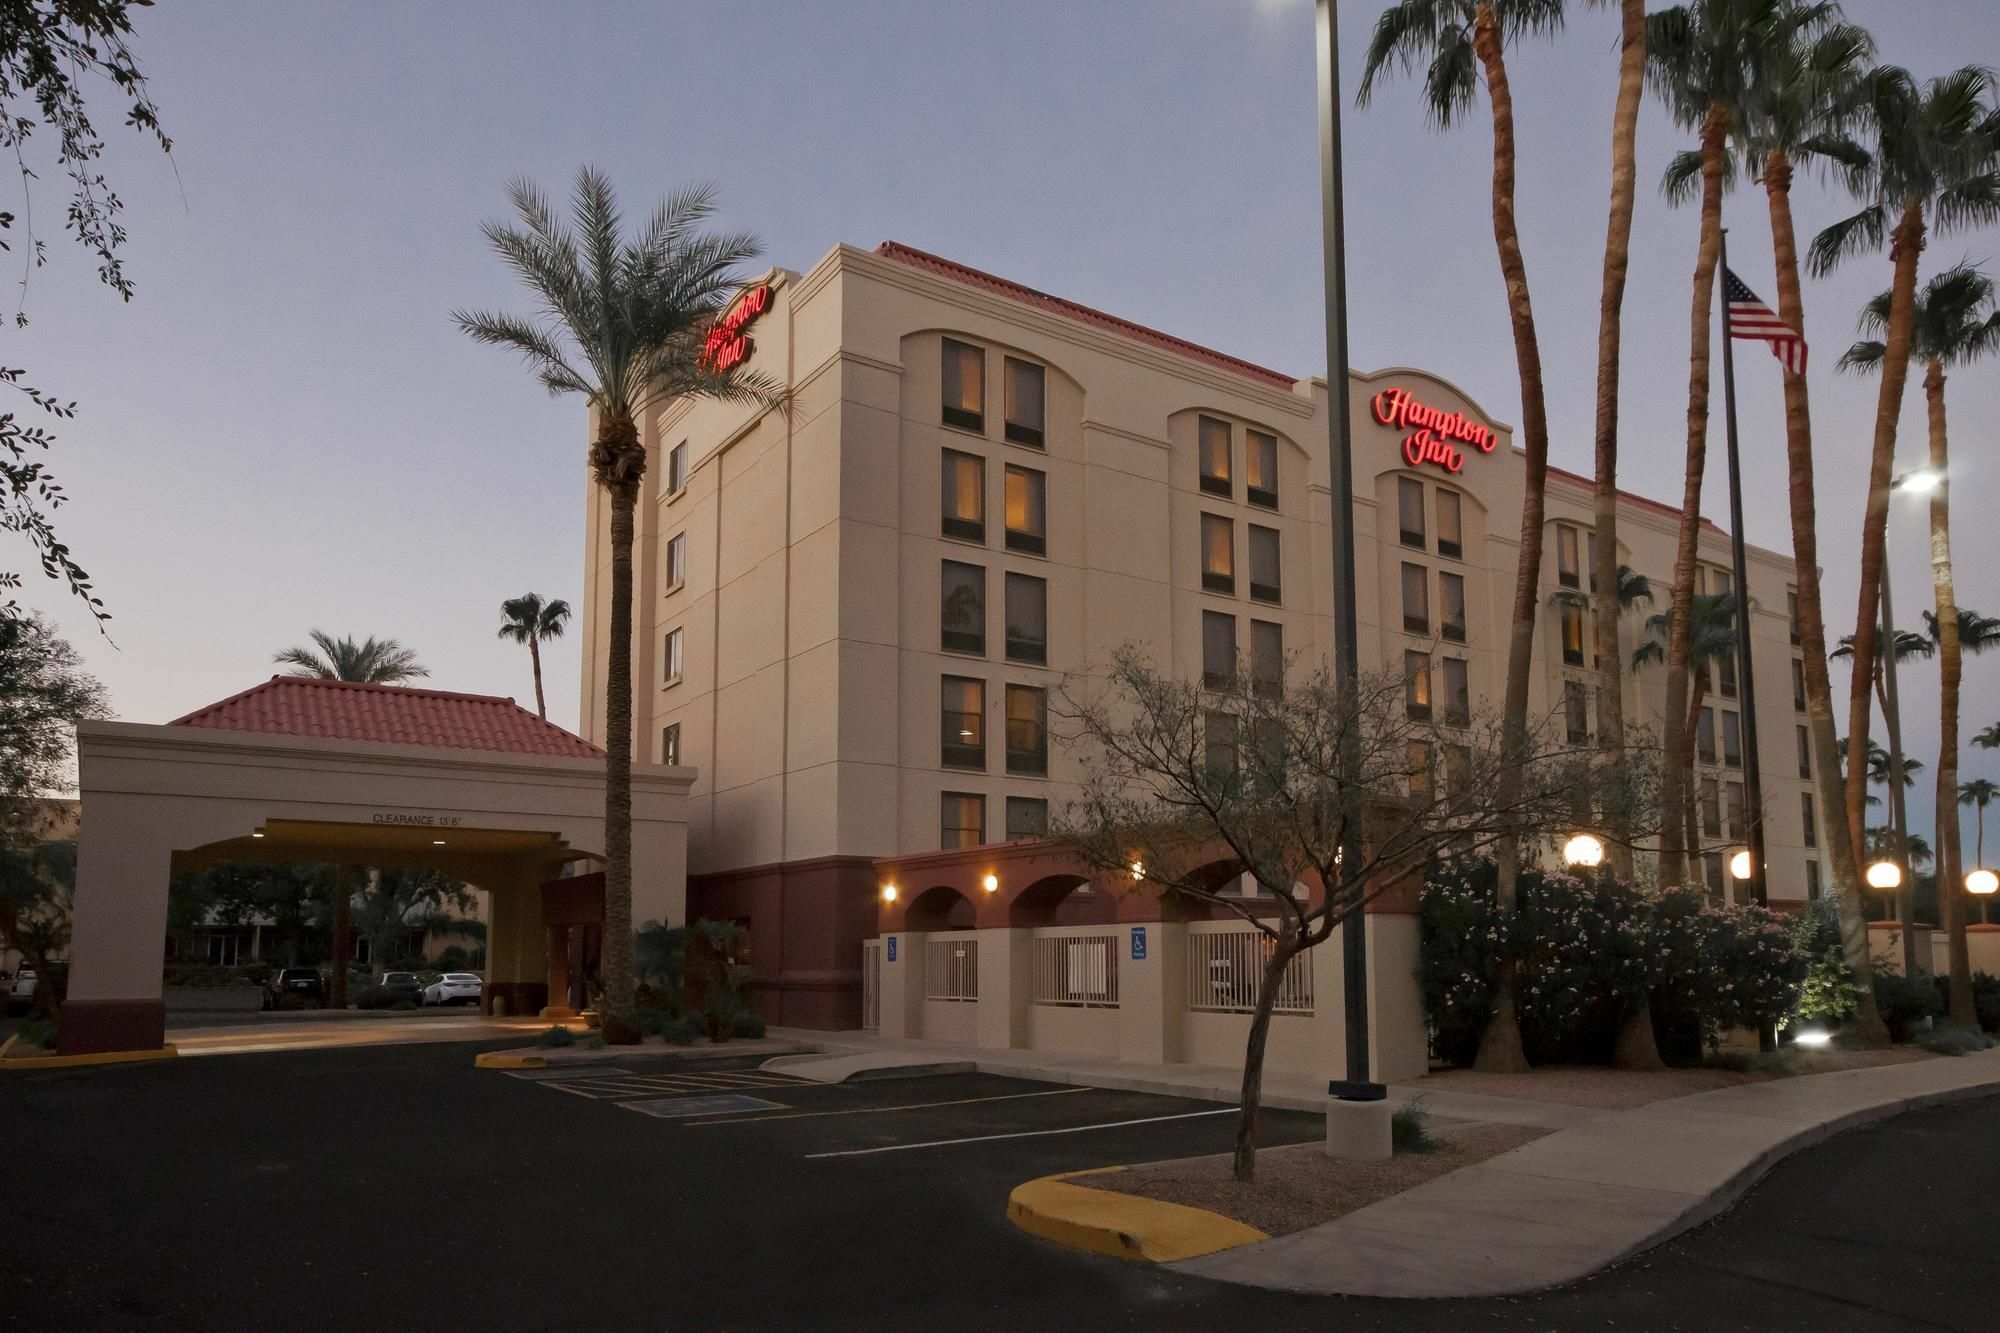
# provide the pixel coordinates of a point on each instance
(951, 969)
(1079, 971)
(1225, 968)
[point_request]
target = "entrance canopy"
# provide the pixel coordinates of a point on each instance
(298, 769)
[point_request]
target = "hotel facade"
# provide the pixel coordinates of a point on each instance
(850, 617)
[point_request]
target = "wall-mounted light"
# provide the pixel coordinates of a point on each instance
(437, 842)
(888, 893)
(256, 835)
(990, 883)
(1138, 870)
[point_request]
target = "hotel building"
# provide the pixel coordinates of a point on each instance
(850, 616)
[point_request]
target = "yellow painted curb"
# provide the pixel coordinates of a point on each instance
(503, 1060)
(1124, 1226)
(78, 1061)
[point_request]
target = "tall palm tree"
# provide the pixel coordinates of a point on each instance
(1934, 164)
(1954, 323)
(1456, 41)
(1703, 60)
(1711, 641)
(1989, 737)
(620, 321)
(528, 619)
(1978, 793)
(1910, 646)
(1976, 632)
(372, 661)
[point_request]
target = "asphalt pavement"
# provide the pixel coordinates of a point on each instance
(397, 1187)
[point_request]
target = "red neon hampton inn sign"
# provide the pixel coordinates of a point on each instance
(727, 345)
(1434, 434)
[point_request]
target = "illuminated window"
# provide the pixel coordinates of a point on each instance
(1218, 554)
(1457, 692)
(1027, 516)
(1267, 658)
(1732, 739)
(1218, 649)
(1417, 684)
(1808, 823)
(1572, 634)
(1265, 580)
(1451, 609)
(1027, 730)
(1576, 711)
(1805, 753)
(1704, 735)
(1027, 619)
(1027, 817)
(964, 386)
(1260, 459)
(962, 723)
(677, 468)
(964, 498)
(1214, 449)
(1024, 402)
(1410, 511)
(670, 743)
(1569, 565)
(676, 560)
(1451, 524)
(962, 609)
(1416, 600)
(673, 655)
(961, 820)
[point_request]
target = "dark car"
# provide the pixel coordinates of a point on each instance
(298, 985)
(403, 986)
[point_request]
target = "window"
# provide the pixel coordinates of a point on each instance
(1704, 735)
(964, 500)
(1265, 580)
(1457, 692)
(1218, 744)
(962, 723)
(1218, 649)
(1725, 671)
(1711, 808)
(1027, 516)
(1739, 817)
(1451, 609)
(1027, 619)
(1572, 634)
(673, 654)
(677, 468)
(1719, 582)
(1451, 524)
(1267, 658)
(1410, 511)
(1798, 685)
(1027, 730)
(1417, 769)
(1732, 739)
(1711, 871)
(1218, 554)
(1569, 563)
(962, 608)
(1576, 711)
(670, 743)
(1214, 450)
(1805, 753)
(1590, 558)
(1027, 817)
(677, 546)
(1417, 684)
(1416, 600)
(961, 820)
(1457, 768)
(1808, 823)
(1792, 612)
(1024, 402)
(1260, 461)
(964, 386)
(1812, 879)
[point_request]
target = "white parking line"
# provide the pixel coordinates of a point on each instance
(878, 1110)
(1022, 1134)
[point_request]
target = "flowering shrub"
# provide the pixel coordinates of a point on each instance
(1588, 946)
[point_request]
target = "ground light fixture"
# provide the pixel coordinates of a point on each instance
(1739, 864)
(1583, 849)
(437, 842)
(256, 835)
(1884, 875)
(888, 893)
(1138, 871)
(1813, 1039)
(991, 883)
(1981, 881)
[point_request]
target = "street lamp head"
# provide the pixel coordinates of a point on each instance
(1982, 882)
(1739, 864)
(1885, 875)
(1920, 482)
(1583, 849)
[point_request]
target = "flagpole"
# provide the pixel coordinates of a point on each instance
(1753, 772)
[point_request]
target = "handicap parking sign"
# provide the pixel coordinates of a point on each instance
(892, 948)
(1138, 943)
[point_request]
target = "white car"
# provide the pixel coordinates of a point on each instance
(454, 988)
(21, 995)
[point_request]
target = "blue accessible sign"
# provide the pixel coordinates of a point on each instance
(1138, 943)
(892, 948)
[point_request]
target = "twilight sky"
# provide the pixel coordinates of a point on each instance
(284, 430)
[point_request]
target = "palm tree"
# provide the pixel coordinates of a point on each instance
(1910, 646)
(1978, 793)
(1456, 41)
(620, 321)
(1976, 632)
(1932, 167)
(1954, 323)
(1704, 58)
(372, 661)
(1989, 738)
(1711, 643)
(530, 620)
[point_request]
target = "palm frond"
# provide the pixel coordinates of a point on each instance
(1972, 202)
(1846, 238)
(1863, 356)
(1681, 181)
(539, 347)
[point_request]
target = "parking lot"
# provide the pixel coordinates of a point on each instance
(397, 1187)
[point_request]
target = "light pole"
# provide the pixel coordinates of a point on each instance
(1917, 483)
(1340, 454)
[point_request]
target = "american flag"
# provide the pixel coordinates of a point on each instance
(1751, 318)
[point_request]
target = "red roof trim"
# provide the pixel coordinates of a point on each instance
(1083, 314)
(388, 714)
(1643, 502)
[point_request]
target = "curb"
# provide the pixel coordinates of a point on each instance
(1124, 1226)
(82, 1061)
(504, 1060)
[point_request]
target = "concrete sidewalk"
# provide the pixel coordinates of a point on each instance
(1584, 1198)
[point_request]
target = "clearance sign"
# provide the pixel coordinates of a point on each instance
(1434, 435)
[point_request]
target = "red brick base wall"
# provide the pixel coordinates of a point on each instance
(807, 920)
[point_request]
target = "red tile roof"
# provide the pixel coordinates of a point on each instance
(1083, 314)
(1644, 502)
(390, 715)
